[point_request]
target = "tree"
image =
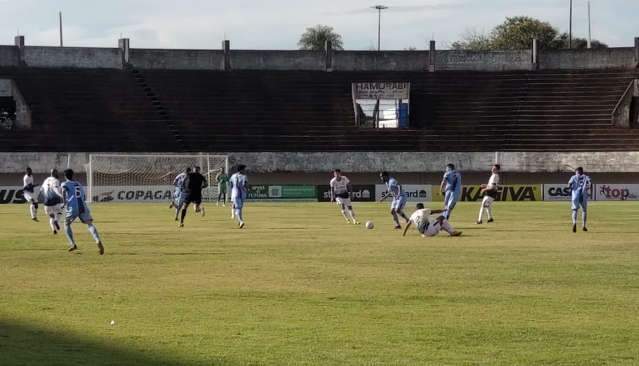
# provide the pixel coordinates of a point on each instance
(516, 33)
(474, 41)
(314, 38)
(577, 43)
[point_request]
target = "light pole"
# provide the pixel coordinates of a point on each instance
(570, 28)
(379, 24)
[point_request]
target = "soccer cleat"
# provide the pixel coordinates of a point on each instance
(490, 220)
(34, 219)
(574, 228)
(55, 232)
(479, 222)
(241, 225)
(171, 205)
(456, 233)
(181, 224)
(57, 226)
(100, 248)
(355, 222)
(398, 227)
(585, 228)
(74, 247)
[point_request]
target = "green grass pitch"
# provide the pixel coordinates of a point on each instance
(299, 286)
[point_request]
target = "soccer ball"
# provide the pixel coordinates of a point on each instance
(369, 225)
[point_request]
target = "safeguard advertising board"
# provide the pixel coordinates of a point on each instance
(528, 192)
(416, 193)
(560, 192)
(361, 193)
(617, 192)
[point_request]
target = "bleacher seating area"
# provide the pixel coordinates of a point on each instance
(175, 111)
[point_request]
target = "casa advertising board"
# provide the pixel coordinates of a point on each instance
(561, 192)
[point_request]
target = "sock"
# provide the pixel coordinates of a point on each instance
(238, 215)
(52, 223)
(403, 215)
(344, 214)
(94, 233)
(183, 215)
(352, 214)
(33, 210)
(574, 217)
(481, 212)
(69, 233)
(395, 218)
(584, 217)
(489, 211)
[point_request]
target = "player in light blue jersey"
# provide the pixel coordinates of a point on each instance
(579, 184)
(239, 193)
(76, 207)
(180, 189)
(399, 198)
(451, 188)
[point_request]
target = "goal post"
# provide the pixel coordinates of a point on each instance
(146, 177)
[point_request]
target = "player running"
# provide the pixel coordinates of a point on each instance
(239, 193)
(579, 185)
(341, 192)
(222, 180)
(427, 225)
(76, 207)
(178, 194)
(399, 198)
(53, 200)
(490, 193)
(28, 191)
(193, 184)
(451, 188)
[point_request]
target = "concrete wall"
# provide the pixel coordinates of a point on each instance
(177, 59)
(384, 60)
(9, 56)
(368, 162)
(80, 57)
(277, 60)
(483, 61)
(608, 58)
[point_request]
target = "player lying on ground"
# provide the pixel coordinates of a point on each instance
(489, 191)
(194, 183)
(428, 225)
(76, 207)
(399, 198)
(451, 188)
(579, 185)
(341, 192)
(53, 199)
(239, 193)
(28, 191)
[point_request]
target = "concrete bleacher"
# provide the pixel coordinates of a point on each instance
(179, 110)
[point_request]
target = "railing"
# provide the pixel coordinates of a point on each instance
(622, 108)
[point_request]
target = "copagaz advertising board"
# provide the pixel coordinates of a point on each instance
(561, 192)
(361, 193)
(472, 193)
(132, 193)
(415, 192)
(617, 192)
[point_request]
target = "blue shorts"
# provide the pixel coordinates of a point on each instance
(398, 203)
(238, 202)
(579, 201)
(450, 200)
(84, 215)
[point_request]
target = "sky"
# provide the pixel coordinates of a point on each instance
(278, 24)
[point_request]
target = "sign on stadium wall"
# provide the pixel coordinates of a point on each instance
(11, 194)
(132, 193)
(561, 192)
(472, 193)
(416, 193)
(284, 192)
(381, 90)
(617, 192)
(361, 193)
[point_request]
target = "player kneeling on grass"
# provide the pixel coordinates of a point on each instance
(428, 225)
(53, 199)
(341, 192)
(76, 207)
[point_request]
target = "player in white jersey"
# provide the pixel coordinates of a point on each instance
(429, 225)
(28, 191)
(53, 200)
(341, 192)
(399, 198)
(179, 191)
(579, 185)
(490, 191)
(239, 193)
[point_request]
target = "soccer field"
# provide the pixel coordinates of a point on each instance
(298, 286)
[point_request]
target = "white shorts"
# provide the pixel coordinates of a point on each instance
(30, 196)
(53, 210)
(343, 201)
(488, 201)
(433, 229)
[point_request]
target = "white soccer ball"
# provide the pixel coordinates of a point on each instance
(369, 225)
(112, 322)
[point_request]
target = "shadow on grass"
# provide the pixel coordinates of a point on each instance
(22, 344)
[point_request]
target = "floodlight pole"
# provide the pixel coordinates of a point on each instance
(379, 25)
(589, 28)
(570, 28)
(60, 20)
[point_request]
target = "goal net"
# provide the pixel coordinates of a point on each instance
(146, 178)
